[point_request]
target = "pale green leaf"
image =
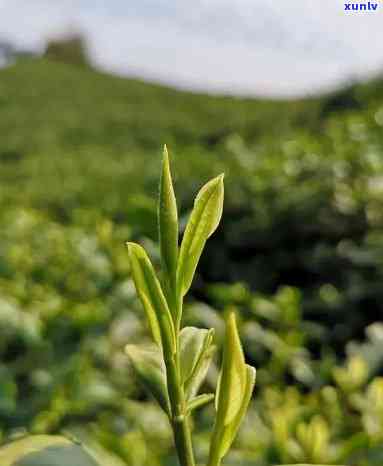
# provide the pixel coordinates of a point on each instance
(196, 352)
(194, 342)
(233, 379)
(150, 368)
(45, 450)
(199, 401)
(203, 221)
(152, 298)
(230, 431)
(234, 388)
(168, 224)
(194, 383)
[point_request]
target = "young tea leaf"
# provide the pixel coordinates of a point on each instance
(203, 221)
(194, 383)
(234, 390)
(150, 369)
(168, 224)
(233, 378)
(230, 431)
(194, 342)
(152, 298)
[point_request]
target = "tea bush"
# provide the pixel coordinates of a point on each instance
(298, 253)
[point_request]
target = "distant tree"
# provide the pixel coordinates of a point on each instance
(341, 100)
(70, 49)
(7, 52)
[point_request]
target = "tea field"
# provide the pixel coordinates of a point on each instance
(299, 254)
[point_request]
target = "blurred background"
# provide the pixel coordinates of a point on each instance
(287, 100)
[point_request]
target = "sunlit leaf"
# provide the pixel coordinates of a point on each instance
(151, 296)
(233, 378)
(150, 368)
(194, 383)
(202, 223)
(168, 224)
(194, 343)
(230, 431)
(45, 450)
(234, 390)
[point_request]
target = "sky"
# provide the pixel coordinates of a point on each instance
(243, 47)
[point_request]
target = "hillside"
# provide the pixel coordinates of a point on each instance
(58, 104)
(68, 118)
(78, 144)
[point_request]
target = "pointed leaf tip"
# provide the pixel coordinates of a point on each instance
(233, 382)
(234, 390)
(168, 225)
(230, 431)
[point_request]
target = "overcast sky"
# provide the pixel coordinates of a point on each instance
(274, 47)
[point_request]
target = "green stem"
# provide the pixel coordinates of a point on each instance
(214, 454)
(179, 418)
(182, 438)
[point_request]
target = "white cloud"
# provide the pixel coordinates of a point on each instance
(242, 46)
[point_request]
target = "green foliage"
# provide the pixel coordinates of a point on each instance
(303, 184)
(298, 253)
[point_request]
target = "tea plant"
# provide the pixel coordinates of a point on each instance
(174, 367)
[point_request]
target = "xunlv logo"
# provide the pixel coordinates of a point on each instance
(370, 6)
